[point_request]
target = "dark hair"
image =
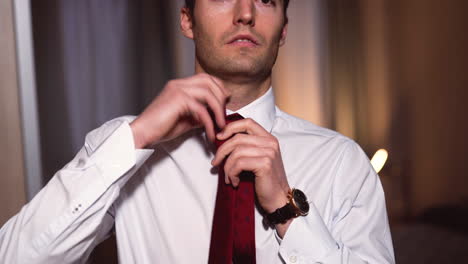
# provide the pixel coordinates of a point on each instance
(190, 4)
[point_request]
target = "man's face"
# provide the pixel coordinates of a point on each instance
(236, 40)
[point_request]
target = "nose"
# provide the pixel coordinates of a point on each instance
(244, 13)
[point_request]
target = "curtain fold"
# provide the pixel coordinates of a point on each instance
(96, 60)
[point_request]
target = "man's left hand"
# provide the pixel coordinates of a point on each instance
(254, 149)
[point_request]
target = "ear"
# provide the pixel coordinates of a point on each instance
(284, 33)
(186, 23)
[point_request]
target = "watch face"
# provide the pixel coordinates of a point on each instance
(301, 201)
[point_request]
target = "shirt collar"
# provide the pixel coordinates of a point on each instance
(262, 110)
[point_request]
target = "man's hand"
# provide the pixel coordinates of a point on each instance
(182, 105)
(254, 149)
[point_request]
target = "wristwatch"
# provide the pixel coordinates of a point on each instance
(297, 206)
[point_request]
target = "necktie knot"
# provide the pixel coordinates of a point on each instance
(233, 117)
(229, 119)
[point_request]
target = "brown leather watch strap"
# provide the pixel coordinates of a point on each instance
(281, 215)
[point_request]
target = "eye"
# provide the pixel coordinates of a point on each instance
(268, 2)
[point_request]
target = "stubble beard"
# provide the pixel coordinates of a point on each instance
(244, 66)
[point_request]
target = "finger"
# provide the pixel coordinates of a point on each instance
(246, 125)
(245, 164)
(227, 180)
(239, 161)
(216, 85)
(205, 80)
(220, 86)
(238, 139)
(201, 114)
(246, 151)
(207, 96)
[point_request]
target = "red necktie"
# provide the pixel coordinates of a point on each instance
(233, 232)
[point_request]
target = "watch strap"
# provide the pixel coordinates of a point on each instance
(281, 215)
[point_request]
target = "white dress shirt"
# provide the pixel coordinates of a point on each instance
(161, 204)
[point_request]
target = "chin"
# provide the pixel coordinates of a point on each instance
(239, 68)
(243, 74)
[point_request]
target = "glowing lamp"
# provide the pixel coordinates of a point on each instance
(379, 159)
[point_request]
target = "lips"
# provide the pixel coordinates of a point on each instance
(243, 39)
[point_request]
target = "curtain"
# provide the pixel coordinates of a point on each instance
(96, 60)
(299, 76)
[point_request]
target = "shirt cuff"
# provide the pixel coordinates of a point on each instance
(117, 154)
(307, 238)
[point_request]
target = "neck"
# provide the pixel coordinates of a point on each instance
(242, 92)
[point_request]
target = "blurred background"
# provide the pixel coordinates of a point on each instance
(390, 74)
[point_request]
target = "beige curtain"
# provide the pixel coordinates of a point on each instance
(299, 76)
(361, 97)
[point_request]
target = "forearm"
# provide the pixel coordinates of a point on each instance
(70, 215)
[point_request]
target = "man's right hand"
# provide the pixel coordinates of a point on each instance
(181, 106)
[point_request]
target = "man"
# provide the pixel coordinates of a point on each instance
(163, 205)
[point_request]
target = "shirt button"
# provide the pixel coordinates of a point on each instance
(293, 259)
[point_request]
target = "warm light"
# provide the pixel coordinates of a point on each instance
(379, 159)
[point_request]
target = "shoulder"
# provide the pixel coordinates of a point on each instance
(321, 143)
(302, 129)
(340, 160)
